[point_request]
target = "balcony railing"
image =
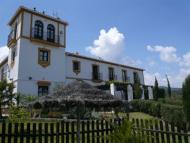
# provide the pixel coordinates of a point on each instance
(97, 76)
(11, 37)
(55, 39)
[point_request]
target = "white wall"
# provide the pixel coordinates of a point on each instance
(86, 70)
(29, 67)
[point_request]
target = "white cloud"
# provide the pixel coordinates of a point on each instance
(109, 45)
(150, 78)
(176, 79)
(129, 61)
(167, 54)
(179, 78)
(3, 52)
(185, 60)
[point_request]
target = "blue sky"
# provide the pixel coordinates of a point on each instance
(152, 34)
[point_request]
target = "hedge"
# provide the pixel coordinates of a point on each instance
(170, 113)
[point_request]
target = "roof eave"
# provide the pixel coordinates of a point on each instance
(22, 8)
(103, 61)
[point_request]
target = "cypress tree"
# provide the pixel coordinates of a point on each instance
(169, 87)
(156, 89)
(186, 98)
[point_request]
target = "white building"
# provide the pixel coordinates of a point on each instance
(37, 60)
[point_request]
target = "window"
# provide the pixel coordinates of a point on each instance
(124, 75)
(95, 72)
(13, 54)
(50, 33)
(111, 73)
(15, 30)
(38, 29)
(76, 67)
(44, 57)
(43, 90)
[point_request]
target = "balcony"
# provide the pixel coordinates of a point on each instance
(97, 77)
(54, 40)
(11, 38)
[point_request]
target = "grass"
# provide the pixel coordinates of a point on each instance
(140, 115)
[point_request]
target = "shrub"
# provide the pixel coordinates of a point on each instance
(162, 93)
(170, 113)
(172, 101)
(18, 114)
(146, 106)
(126, 134)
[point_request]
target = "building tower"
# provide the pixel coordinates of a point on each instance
(36, 57)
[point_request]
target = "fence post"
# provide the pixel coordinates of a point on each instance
(152, 133)
(28, 133)
(92, 127)
(185, 130)
(162, 134)
(88, 132)
(147, 132)
(21, 132)
(52, 132)
(167, 134)
(173, 135)
(179, 131)
(46, 133)
(83, 131)
(57, 132)
(142, 128)
(62, 131)
(34, 133)
(73, 130)
(67, 132)
(107, 133)
(40, 132)
(15, 132)
(102, 130)
(157, 131)
(97, 131)
(9, 132)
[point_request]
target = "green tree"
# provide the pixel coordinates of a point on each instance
(186, 98)
(136, 87)
(156, 89)
(169, 87)
(6, 94)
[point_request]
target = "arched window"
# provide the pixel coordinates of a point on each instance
(38, 29)
(50, 33)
